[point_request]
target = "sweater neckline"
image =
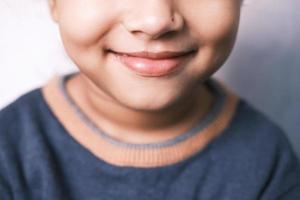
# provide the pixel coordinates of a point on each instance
(121, 153)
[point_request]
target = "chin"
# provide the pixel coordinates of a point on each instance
(149, 103)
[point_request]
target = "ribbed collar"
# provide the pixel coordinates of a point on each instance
(120, 153)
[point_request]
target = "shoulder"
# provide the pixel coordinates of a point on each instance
(251, 125)
(261, 152)
(20, 110)
(248, 125)
(257, 133)
(20, 139)
(252, 134)
(20, 119)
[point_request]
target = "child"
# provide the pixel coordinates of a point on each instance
(143, 118)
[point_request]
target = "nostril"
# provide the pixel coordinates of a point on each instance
(160, 35)
(157, 21)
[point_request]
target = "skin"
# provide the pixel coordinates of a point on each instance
(134, 108)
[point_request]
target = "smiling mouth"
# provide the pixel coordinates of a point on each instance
(151, 64)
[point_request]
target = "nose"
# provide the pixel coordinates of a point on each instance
(152, 19)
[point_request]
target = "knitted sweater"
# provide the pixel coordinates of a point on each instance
(49, 150)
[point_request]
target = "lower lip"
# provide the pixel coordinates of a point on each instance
(153, 67)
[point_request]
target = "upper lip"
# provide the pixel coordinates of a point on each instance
(156, 55)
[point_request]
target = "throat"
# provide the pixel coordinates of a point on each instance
(118, 151)
(131, 126)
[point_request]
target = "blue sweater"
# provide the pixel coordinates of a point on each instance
(39, 160)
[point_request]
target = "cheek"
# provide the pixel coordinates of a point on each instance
(215, 22)
(85, 23)
(214, 25)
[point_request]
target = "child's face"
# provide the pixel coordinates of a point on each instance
(90, 27)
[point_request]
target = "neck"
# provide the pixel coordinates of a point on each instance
(136, 125)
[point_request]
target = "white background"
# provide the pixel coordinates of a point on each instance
(264, 66)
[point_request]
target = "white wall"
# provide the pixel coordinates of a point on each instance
(30, 47)
(263, 68)
(265, 64)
